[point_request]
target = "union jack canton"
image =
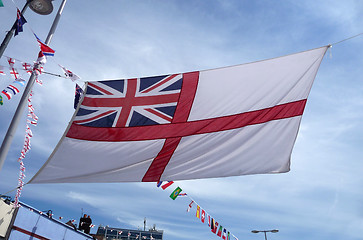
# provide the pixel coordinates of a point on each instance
(130, 102)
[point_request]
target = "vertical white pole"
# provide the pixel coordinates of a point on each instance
(5, 146)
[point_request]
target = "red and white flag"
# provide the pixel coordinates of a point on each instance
(41, 58)
(45, 49)
(202, 217)
(11, 61)
(190, 206)
(28, 68)
(15, 73)
(69, 74)
(222, 122)
(7, 94)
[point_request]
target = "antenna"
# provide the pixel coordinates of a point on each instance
(144, 223)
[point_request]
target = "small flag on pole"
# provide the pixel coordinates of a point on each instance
(175, 193)
(20, 21)
(69, 74)
(41, 58)
(77, 95)
(47, 51)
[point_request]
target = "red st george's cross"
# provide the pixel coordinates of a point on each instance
(11, 62)
(14, 72)
(177, 128)
(27, 67)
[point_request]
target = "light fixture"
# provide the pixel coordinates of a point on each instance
(43, 7)
(265, 231)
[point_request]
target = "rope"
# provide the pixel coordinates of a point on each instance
(347, 39)
(11, 190)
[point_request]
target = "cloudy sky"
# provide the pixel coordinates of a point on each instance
(320, 198)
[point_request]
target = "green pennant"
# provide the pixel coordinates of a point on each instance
(175, 194)
(1, 98)
(1, 4)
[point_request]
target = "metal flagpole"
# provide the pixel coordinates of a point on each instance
(23, 101)
(10, 34)
(42, 7)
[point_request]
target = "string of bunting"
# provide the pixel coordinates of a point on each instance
(201, 213)
(13, 89)
(32, 119)
(119, 234)
(28, 68)
(37, 67)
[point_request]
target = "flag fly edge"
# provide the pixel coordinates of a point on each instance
(60, 140)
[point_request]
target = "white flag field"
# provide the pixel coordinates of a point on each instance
(223, 122)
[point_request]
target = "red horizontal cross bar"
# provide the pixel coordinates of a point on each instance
(182, 129)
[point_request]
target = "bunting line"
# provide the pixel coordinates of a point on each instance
(28, 68)
(33, 120)
(215, 226)
(25, 67)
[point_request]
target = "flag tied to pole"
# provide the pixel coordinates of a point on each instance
(77, 95)
(20, 21)
(222, 122)
(69, 74)
(46, 50)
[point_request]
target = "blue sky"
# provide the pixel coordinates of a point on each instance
(320, 198)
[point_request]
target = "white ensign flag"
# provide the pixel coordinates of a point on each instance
(223, 122)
